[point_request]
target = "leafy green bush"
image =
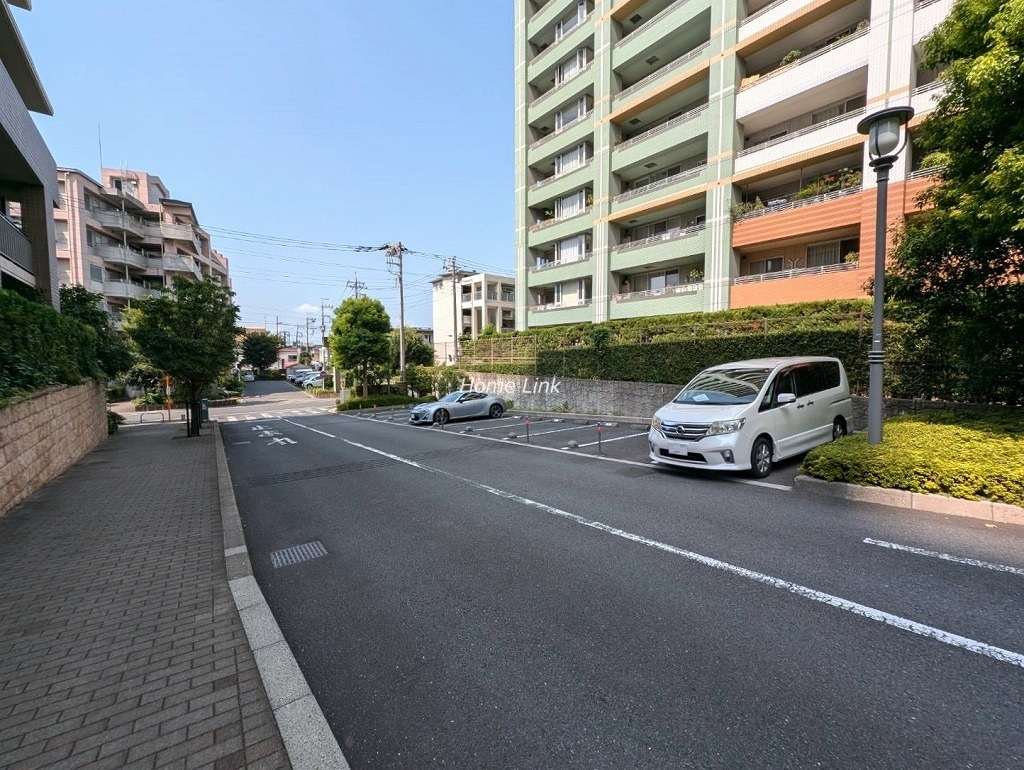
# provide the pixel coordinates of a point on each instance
(41, 347)
(113, 421)
(967, 456)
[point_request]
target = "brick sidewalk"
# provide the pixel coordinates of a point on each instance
(120, 645)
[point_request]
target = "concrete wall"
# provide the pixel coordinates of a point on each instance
(43, 436)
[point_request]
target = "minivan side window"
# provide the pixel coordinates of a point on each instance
(784, 382)
(818, 376)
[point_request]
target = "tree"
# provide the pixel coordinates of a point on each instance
(489, 330)
(112, 351)
(957, 267)
(259, 349)
(190, 332)
(360, 336)
(417, 350)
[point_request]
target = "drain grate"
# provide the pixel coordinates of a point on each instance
(288, 556)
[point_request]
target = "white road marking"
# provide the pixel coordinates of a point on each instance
(306, 427)
(945, 556)
(239, 443)
(767, 484)
(609, 440)
(862, 610)
(281, 441)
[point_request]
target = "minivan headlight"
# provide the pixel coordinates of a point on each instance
(720, 427)
(656, 422)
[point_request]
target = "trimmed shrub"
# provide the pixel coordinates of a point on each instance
(368, 402)
(967, 456)
(113, 421)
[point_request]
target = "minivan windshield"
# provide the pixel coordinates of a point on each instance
(724, 386)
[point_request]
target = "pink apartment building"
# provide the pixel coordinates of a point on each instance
(125, 237)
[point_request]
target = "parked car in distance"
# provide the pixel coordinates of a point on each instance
(315, 382)
(747, 415)
(457, 406)
(294, 374)
(303, 378)
(248, 377)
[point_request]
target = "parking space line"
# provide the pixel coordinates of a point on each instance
(945, 556)
(609, 440)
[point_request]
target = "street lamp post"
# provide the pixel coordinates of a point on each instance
(883, 129)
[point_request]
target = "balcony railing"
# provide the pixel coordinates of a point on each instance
(691, 287)
(14, 244)
(678, 120)
(118, 220)
(762, 11)
(555, 177)
(122, 256)
(801, 132)
(666, 236)
(789, 205)
(653, 20)
(558, 262)
(840, 267)
(666, 182)
(560, 37)
(560, 304)
(932, 86)
(561, 130)
(923, 172)
(554, 221)
(672, 65)
(564, 83)
(540, 10)
(806, 58)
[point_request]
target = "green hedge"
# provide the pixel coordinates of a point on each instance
(967, 456)
(368, 402)
(40, 347)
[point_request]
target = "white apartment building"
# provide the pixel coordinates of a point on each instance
(466, 304)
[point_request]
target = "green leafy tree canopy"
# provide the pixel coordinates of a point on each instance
(112, 351)
(259, 349)
(417, 351)
(189, 331)
(360, 336)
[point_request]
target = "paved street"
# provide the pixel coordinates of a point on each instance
(467, 602)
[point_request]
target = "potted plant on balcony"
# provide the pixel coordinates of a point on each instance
(791, 57)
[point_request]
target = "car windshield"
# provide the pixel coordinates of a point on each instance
(452, 397)
(724, 386)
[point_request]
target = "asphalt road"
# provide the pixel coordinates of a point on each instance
(483, 603)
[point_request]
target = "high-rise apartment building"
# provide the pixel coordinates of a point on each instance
(126, 238)
(679, 156)
(28, 174)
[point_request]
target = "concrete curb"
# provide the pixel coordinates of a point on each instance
(1001, 513)
(307, 736)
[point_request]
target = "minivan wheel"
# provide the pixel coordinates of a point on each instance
(761, 457)
(838, 428)
(496, 411)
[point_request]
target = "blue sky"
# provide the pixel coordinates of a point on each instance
(327, 121)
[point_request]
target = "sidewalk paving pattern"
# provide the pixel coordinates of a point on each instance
(120, 644)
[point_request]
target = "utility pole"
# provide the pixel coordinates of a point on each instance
(355, 285)
(455, 310)
(394, 252)
(277, 325)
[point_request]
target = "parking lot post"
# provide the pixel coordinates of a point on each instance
(599, 439)
(527, 430)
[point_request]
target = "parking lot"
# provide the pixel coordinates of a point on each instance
(621, 440)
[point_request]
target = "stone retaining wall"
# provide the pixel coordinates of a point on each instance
(44, 435)
(642, 399)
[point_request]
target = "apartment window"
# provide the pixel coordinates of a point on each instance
(830, 252)
(572, 249)
(60, 231)
(96, 273)
(570, 205)
(572, 66)
(568, 23)
(583, 289)
(571, 159)
(572, 112)
(761, 266)
(654, 229)
(549, 295)
(835, 110)
(508, 294)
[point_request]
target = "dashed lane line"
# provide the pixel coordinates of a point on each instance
(945, 556)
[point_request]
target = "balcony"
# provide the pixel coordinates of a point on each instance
(684, 242)
(842, 128)
(15, 245)
(559, 271)
(661, 138)
(923, 98)
(125, 290)
(120, 222)
(178, 263)
(654, 29)
(770, 16)
(682, 298)
(556, 229)
(795, 79)
(573, 133)
(565, 91)
(175, 231)
(119, 255)
(842, 267)
(557, 185)
(568, 312)
(547, 16)
(775, 207)
(572, 39)
(678, 183)
(927, 16)
(121, 197)
(674, 66)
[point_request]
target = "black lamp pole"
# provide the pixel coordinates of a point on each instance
(883, 129)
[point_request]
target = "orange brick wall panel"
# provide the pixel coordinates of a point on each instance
(807, 220)
(804, 288)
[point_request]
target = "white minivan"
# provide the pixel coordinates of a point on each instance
(748, 414)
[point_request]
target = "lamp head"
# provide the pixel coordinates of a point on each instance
(883, 130)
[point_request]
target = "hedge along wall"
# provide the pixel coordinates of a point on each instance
(44, 435)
